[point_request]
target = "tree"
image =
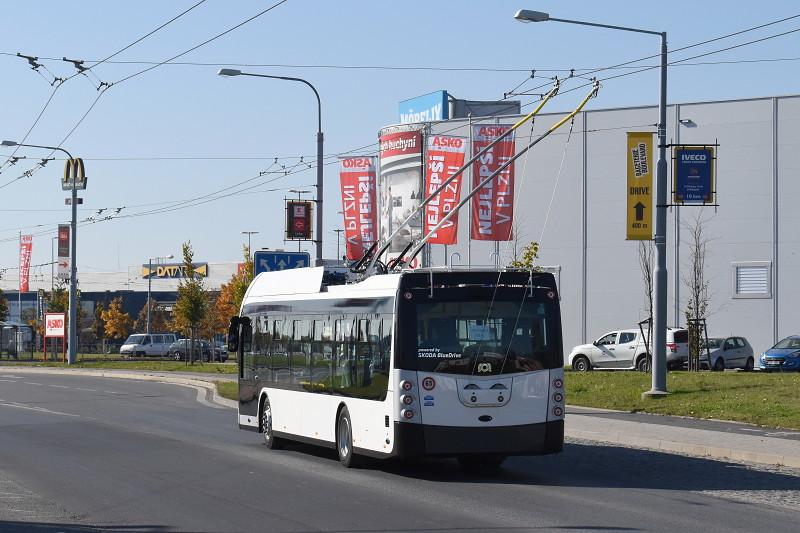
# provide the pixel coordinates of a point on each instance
(191, 306)
(3, 306)
(158, 318)
(697, 306)
(117, 322)
(231, 294)
(529, 255)
(646, 265)
(99, 325)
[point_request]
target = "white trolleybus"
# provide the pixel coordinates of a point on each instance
(465, 364)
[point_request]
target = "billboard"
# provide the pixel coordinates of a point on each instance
(400, 185)
(444, 156)
(426, 108)
(639, 212)
(54, 324)
(493, 205)
(63, 251)
(173, 271)
(25, 247)
(693, 179)
(359, 204)
(298, 220)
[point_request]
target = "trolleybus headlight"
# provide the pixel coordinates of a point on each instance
(558, 410)
(558, 397)
(558, 383)
(408, 414)
(407, 399)
(406, 385)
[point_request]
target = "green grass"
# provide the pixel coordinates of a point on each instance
(771, 400)
(153, 366)
(228, 389)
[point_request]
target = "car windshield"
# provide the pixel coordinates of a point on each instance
(788, 343)
(714, 343)
(135, 339)
(475, 337)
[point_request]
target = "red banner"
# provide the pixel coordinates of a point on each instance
(444, 157)
(25, 247)
(493, 205)
(359, 205)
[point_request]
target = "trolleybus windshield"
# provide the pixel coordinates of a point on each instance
(487, 337)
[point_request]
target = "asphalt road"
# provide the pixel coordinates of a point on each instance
(99, 454)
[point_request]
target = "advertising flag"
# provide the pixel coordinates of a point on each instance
(359, 204)
(444, 157)
(493, 205)
(400, 185)
(693, 180)
(639, 212)
(63, 251)
(25, 247)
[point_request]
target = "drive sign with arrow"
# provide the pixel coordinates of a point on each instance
(264, 261)
(640, 186)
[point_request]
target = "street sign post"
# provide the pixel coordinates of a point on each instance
(639, 212)
(268, 261)
(693, 180)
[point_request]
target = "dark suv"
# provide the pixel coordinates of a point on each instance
(180, 350)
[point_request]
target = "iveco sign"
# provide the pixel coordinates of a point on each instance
(426, 108)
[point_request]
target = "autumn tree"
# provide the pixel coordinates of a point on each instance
(3, 306)
(231, 294)
(529, 255)
(191, 306)
(158, 318)
(117, 322)
(99, 325)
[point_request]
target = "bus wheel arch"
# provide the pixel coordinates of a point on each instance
(343, 434)
(265, 423)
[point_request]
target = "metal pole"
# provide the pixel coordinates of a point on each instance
(149, 282)
(73, 281)
(52, 264)
(338, 250)
(659, 383)
(319, 185)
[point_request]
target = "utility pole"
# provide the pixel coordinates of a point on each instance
(338, 253)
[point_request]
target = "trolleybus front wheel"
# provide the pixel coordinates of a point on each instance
(270, 440)
(344, 439)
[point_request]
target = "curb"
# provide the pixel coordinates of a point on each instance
(697, 450)
(209, 385)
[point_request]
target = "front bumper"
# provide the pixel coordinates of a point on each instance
(779, 364)
(416, 440)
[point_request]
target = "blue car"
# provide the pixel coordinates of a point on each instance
(783, 356)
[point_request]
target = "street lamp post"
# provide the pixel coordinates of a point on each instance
(249, 233)
(338, 254)
(659, 382)
(149, 281)
(73, 271)
(235, 72)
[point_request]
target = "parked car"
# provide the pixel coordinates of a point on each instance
(625, 350)
(180, 350)
(141, 344)
(783, 356)
(727, 352)
(220, 351)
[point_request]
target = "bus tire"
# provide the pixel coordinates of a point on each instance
(344, 439)
(270, 440)
(581, 364)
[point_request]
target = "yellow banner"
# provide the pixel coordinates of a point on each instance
(640, 186)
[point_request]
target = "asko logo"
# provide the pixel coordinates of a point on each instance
(492, 130)
(55, 323)
(356, 162)
(448, 142)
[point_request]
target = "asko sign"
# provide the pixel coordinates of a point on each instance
(54, 324)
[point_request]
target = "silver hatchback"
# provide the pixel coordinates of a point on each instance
(727, 352)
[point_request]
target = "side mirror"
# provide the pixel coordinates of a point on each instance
(233, 334)
(595, 343)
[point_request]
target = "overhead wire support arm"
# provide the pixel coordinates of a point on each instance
(464, 167)
(418, 247)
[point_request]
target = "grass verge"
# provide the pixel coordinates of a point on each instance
(152, 366)
(228, 389)
(758, 398)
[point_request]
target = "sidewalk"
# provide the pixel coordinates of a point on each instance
(702, 438)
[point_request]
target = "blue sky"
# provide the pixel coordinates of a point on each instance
(194, 118)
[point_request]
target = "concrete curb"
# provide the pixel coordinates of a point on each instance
(697, 450)
(209, 385)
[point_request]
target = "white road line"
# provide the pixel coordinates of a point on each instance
(58, 386)
(87, 390)
(37, 409)
(9, 380)
(112, 392)
(29, 383)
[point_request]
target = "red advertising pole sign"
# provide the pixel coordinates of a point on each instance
(445, 156)
(25, 246)
(493, 206)
(359, 204)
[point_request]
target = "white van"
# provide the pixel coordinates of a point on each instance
(141, 344)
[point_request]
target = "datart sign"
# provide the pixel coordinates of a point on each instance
(445, 156)
(639, 192)
(493, 205)
(359, 204)
(693, 175)
(426, 108)
(173, 271)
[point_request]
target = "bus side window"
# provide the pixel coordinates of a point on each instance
(321, 350)
(248, 363)
(301, 353)
(364, 352)
(280, 362)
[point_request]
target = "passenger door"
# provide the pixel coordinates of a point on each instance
(626, 348)
(730, 352)
(605, 355)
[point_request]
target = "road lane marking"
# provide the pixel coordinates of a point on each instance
(87, 390)
(4, 403)
(58, 386)
(30, 383)
(9, 380)
(112, 392)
